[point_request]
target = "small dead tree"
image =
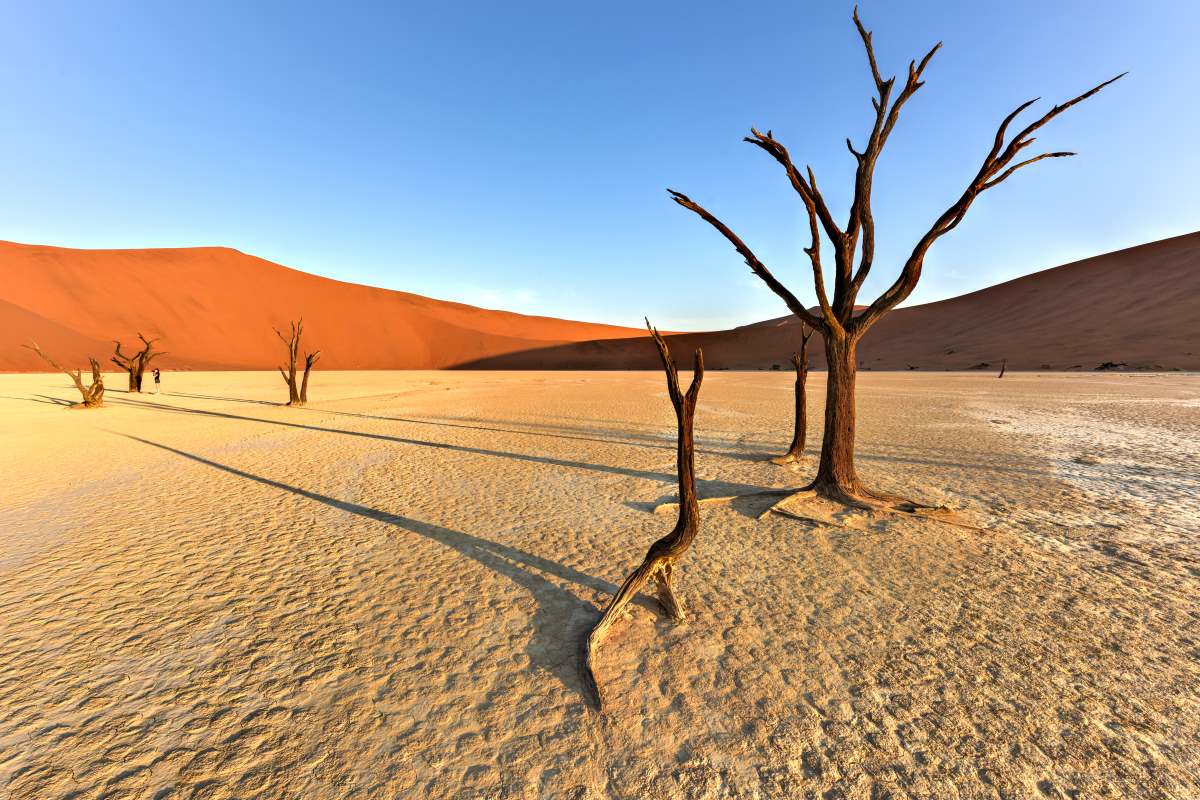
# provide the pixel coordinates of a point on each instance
(659, 562)
(297, 394)
(135, 365)
(309, 360)
(1003, 366)
(93, 396)
(841, 326)
(800, 362)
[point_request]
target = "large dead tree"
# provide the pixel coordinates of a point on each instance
(839, 325)
(135, 365)
(297, 394)
(800, 362)
(660, 560)
(93, 396)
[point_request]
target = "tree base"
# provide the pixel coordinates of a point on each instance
(657, 569)
(818, 498)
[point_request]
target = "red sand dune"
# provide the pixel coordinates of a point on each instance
(1140, 306)
(214, 308)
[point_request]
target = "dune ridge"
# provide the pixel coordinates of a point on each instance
(214, 308)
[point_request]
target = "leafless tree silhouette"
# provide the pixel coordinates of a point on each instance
(135, 365)
(297, 394)
(93, 396)
(840, 327)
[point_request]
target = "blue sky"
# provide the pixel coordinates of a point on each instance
(516, 154)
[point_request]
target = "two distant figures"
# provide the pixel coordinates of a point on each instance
(157, 380)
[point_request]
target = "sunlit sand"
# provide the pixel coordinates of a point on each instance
(384, 594)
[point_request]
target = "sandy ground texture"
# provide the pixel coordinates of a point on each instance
(204, 594)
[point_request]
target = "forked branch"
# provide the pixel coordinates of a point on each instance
(997, 167)
(752, 261)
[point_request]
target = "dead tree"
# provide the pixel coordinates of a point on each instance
(297, 394)
(309, 360)
(135, 365)
(1003, 366)
(840, 327)
(660, 559)
(93, 396)
(800, 362)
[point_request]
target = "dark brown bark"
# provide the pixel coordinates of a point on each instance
(288, 370)
(659, 563)
(93, 396)
(800, 362)
(837, 320)
(836, 476)
(309, 360)
(135, 365)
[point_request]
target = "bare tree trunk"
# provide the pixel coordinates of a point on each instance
(800, 362)
(309, 360)
(1003, 366)
(836, 476)
(659, 562)
(93, 396)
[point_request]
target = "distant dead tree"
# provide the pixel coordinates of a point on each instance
(309, 360)
(840, 327)
(297, 396)
(93, 396)
(135, 365)
(659, 562)
(800, 362)
(1003, 366)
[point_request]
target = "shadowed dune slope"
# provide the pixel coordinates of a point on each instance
(214, 308)
(1140, 306)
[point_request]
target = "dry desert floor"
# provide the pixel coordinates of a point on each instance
(205, 594)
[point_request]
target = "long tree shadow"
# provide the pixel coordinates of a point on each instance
(194, 396)
(561, 620)
(648, 441)
(560, 431)
(713, 487)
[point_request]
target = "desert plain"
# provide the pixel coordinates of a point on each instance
(204, 594)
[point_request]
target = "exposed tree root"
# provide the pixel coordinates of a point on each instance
(869, 502)
(668, 507)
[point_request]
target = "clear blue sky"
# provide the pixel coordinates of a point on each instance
(517, 154)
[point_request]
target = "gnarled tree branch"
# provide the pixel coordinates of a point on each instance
(660, 560)
(756, 266)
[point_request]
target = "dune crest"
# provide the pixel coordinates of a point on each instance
(215, 308)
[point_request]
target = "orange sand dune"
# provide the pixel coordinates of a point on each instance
(1140, 306)
(215, 307)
